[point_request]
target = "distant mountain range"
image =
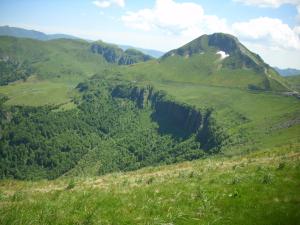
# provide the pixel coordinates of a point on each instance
(152, 52)
(23, 33)
(37, 35)
(287, 72)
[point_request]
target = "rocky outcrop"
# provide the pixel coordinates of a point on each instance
(114, 54)
(239, 57)
(110, 53)
(172, 116)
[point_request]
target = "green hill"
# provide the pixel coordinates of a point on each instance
(66, 58)
(294, 81)
(200, 61)
(53, 59)
(55, 66)
(84, 114)
(256, 188)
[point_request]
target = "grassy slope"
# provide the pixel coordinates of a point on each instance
(235, 190)
(263, 118)
(259, 118)
(257, 188)
(200, 69)
(294, 81)
(254, 114)
(59, 65)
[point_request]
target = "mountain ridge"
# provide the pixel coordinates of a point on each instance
(216, 59)
(24, 33)
(226, 43)
(37, 35)
(287, 71)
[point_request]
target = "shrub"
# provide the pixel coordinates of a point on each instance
(267, 179)
(150, 180)
(71, 185)
(281, 166)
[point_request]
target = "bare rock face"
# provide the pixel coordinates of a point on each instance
(114, 54)
(173, 116)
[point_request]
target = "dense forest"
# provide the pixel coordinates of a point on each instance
(46, 142)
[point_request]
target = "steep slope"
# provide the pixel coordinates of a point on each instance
(220, 190)
(114, 54)
(51, 69)
(193, 103)
(232, 53)
(63, 57)
(197, 82)
(294, 81)
(218, 59)
(217, 71)
(120, 126)
(52, 59)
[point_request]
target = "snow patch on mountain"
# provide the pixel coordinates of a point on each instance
(222, 54)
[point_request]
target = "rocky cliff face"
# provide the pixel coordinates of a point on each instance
(174, 117)
(114, 54)
(111, 54)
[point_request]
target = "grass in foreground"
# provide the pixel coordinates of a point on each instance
(259, 188)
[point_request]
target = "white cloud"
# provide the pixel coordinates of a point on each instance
(273, 4)
(282, 58)
(268, 31)
(186, 19)
(108, 3)
(297, 30)
(269, 3)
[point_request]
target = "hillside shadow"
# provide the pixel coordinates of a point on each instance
(168, 126)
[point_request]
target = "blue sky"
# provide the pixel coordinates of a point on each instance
(270, 28)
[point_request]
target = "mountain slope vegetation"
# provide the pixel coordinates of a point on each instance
(225, 190)
(46, 142)
(71, 59)
(201, 61)
(114, 54)
(294, 81)
(37, 35)
(82, 115)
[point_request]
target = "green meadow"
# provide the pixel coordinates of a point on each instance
(257, 188)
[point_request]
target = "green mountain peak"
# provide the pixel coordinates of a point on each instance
(225, 54)
(225, 45)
